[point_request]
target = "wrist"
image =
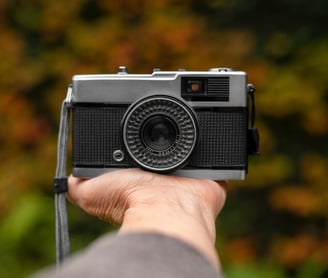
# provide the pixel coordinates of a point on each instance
(173, 221)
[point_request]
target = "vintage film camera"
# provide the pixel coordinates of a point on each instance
(188, 123)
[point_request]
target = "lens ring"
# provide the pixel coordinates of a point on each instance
(165, 156)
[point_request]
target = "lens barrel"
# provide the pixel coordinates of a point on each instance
(160, 133)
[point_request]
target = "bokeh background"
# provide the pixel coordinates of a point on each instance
(275, 224)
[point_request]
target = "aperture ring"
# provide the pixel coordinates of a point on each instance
(174, 156)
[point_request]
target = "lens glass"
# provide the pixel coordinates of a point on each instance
(159, 133)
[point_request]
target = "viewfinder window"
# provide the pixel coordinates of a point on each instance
(195, 87)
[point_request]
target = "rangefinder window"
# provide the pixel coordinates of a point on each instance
(196, 86)
(205, 89)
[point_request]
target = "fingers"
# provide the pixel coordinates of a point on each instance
(74, 185)
(109, 195)
(214, 193)
(223, 184)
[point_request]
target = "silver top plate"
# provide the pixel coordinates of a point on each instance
(126, 88)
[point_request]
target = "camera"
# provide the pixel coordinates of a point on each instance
(187, 123)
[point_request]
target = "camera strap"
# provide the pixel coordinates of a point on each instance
(253, 137)
(60, 184)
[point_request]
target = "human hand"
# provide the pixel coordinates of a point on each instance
(144, 201)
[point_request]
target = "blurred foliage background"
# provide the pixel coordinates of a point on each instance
(275, 224)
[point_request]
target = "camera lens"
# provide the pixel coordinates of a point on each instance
(160, 133)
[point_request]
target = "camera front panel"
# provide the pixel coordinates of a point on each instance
(222, 139)
(97, 137)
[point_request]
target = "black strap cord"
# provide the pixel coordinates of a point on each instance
(60, 184)
(251, 92)
(253, 133)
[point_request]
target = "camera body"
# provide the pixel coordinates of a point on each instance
(186, 123)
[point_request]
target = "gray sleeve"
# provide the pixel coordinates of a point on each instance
(136, 255)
